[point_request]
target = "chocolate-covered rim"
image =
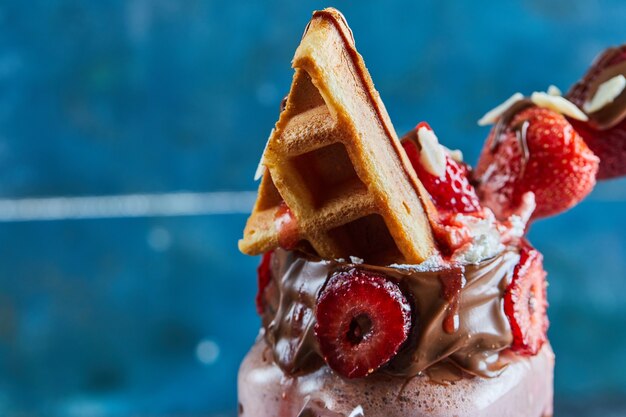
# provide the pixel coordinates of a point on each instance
(474, 346)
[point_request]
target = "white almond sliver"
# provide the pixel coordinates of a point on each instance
(607, 92)
(432, 154)
(558, 104)
(553, 90)
(455, 154)
(260, 169)
(492, 115)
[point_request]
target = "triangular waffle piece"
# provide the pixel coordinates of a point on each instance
(335, 161)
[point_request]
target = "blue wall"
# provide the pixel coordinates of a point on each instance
(153, 315)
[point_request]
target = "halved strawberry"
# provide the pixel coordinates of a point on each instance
(525, 302)
(538, 151)
(264, 275)
(362, 321)
(451, 191)
(605, 132)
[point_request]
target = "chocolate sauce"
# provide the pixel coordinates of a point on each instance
(445, 372)
(584, 90)
(498, 135)
(504, 121)
(613, 113)
(471, 295)
(521, 131)
(289, 318)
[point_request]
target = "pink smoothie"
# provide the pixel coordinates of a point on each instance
(523, 389)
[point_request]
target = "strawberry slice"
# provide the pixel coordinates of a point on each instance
(525, 303)
(537, 151)
(605, 132)
(264, 276)
(451, 191)
(363, 319)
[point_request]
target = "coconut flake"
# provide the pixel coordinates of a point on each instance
(260, 169)
(553, 90)
(494, 114)
(607, 92)
(432, 154)
(558, 104)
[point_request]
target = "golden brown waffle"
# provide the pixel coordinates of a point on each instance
(335, 161)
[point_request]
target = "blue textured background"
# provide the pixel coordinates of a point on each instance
(106, 317)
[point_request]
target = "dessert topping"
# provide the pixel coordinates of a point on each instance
(525, 303)
(538, 151)
(553, 90)
(473, 344)
(455, 154)
(607, 92)
(362, 321)
(452, 283)
(432, 154)
(478, 237)
(558, 104)
(609, 145)
(450, 189)
(601, 93)
(494, 114)
(610, 64)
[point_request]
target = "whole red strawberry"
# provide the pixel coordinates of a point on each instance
(451, 191)
(363, 319)
(537, 151)
(525, 303)
(605, 132)
(609, 145)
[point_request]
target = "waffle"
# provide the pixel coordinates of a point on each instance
(337, 181)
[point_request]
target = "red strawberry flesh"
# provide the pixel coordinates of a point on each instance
(363, 319)
(525, 303)
(450, 192)
(609, 145)
(264, 275)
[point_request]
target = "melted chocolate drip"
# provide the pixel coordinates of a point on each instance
(481, 329)
(452, 282)
(613, 113)
(520, 132)
(503, 124)
(505, 120)
(289, 319)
